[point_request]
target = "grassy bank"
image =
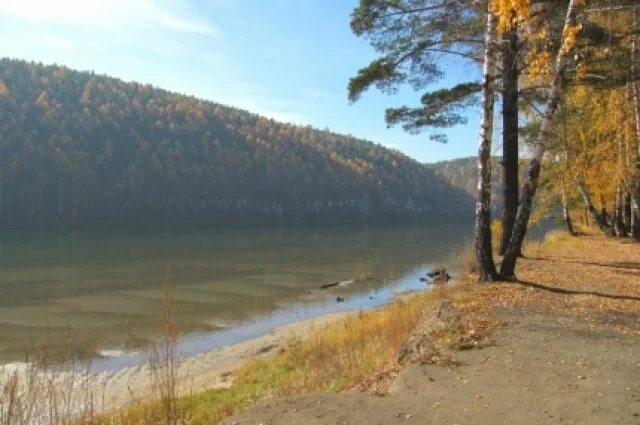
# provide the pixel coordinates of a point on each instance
(358, 352)
(333, 357)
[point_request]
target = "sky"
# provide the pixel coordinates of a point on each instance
(289, 60)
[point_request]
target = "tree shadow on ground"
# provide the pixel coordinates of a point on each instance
(564, 291)
(616, 264)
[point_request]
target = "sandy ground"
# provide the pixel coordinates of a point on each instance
(568, 353)
(540, 371)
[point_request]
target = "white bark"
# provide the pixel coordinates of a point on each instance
(484, 253)
(635, 89)
(600, 220)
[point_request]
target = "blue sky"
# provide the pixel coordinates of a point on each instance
(287, 59)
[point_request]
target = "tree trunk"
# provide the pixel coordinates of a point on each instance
(618, 216)
(599, 218)
(627, 213)
(509, 134)
(635, 217)
(635, 89)
(507, 269)
(484, 252)
(565, 211)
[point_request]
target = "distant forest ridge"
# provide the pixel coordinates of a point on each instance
(462, 173)
(76, 147)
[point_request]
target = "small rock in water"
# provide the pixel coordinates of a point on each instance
(339, 299)
(439, 275)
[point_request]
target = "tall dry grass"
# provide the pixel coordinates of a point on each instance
(42, 391)
(333, 357)
(49, 390)
(163, 363)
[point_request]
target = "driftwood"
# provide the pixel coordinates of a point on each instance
(344, 282)
(419, 346)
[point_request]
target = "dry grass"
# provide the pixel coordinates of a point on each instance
(467, 263)
(59, 391)
(337, 356)
(163, 360)
(41, 392)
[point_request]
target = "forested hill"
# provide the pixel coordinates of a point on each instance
(78, 147)
(463, 173)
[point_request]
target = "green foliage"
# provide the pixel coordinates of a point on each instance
(411, 36)
(441, 108)
(77, 147)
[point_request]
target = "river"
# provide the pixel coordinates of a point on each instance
(99, 292)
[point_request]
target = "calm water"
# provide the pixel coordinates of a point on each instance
(101, 291)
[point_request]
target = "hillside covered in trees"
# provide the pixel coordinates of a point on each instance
(462, 173)
(76, 147)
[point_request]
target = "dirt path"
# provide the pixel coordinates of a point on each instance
(569, 353)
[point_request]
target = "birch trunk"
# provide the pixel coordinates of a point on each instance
(619, 214)
(635, 89)
(507, 269)
(599, 219)
(482, 231)
(565, 210)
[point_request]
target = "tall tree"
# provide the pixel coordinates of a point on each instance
(484, 252)
(510, 76)
(635, 92)
(570, 31)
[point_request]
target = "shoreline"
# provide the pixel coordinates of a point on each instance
(316, 305)
(203, 371)
(117, 388)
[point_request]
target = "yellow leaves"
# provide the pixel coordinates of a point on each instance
(85, 98)
(539, 65)
(510, 12)
(43, 100)
(60, 73)
(570, 35)
(4, 91)
(581, 70)
(600, 137)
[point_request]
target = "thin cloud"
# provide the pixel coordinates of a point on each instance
(175, 15)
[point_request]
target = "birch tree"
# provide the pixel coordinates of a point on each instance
(482, 231)
(570, 32)
(635, 91)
